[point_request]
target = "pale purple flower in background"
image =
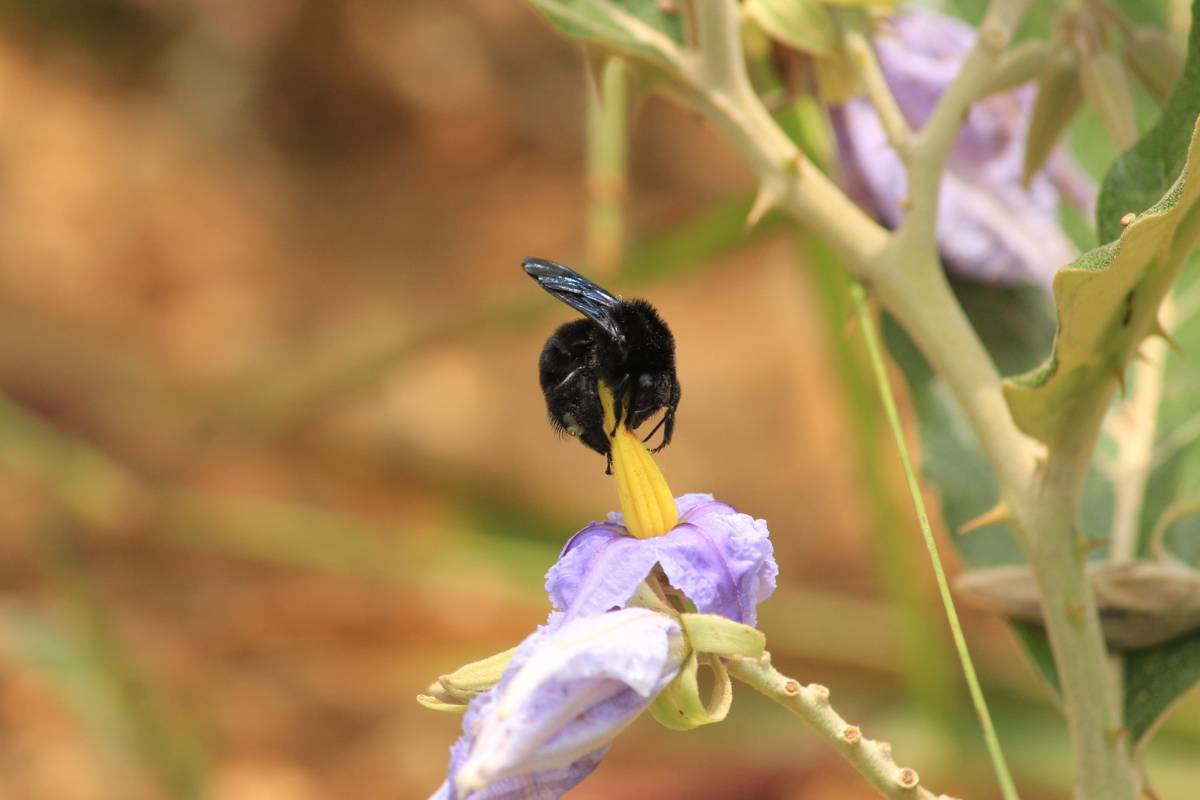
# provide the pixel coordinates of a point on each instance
(722, 560)
(571, 687)
(990, 227)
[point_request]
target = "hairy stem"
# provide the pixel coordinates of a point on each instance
(873, 759)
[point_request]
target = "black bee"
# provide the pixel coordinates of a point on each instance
(624, 343)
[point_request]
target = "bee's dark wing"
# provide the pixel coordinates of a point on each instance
(578, 292)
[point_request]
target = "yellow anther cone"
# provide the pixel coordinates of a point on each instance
(646, 500)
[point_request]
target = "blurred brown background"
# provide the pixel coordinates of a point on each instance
(272, 450)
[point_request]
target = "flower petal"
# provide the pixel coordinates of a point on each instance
(722, 560)
(599, 569)
(547, 785)
(721, 566)
(570, 688)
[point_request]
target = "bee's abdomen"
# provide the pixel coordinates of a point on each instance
(566, 371)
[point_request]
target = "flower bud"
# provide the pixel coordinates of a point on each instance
(1154, 60)
(1059, 97)
(452, 692)
(1107, 90)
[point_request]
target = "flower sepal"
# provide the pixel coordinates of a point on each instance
(451, 693)
(680, 707)
(437, 702)
(720, 636)
(711, 637)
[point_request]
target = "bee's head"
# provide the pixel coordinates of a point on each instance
(655, 387)
(655, 390)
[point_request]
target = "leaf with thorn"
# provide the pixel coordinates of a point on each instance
(1138, 178)
(1107, 303)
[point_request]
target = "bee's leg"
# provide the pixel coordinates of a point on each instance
(668, 421)
(657, 425)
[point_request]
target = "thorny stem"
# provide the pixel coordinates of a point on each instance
(787, 179)
(873, 759)
(1007, 788)
(1133, 423)
(1042, 491)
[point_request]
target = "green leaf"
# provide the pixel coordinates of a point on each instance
(641, 29)
(1107, 302)
(1155, 679)
(802, 24)
(1140, 176)
(1108, 299)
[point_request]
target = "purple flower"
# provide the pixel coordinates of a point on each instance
(722, 560)
(990, 227)
(571, 687)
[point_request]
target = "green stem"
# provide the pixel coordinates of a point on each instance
(895, 126)
(168, 750)
(607, 164)
(1046, 524)
(926, 667)
(968, 667)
